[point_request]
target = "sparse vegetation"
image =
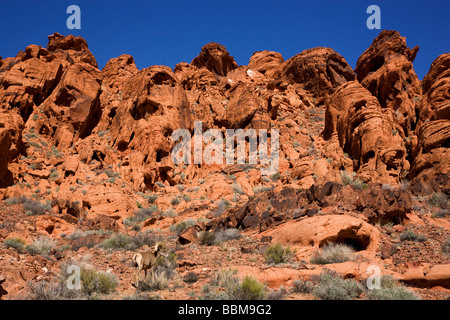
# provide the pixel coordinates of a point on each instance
(181, 226)
(15, 243)
(302, 286)
(276, 254)
(42, 246)
(439, 200)
(409, 235)
(331, 286)
(259, 189)
(31, 207)
(349, 180)
(44, 290)
(227, 234)
(98, 282)
(207, 238)
(125, 242)
(248, 289)
(391, 290)
(333, 253)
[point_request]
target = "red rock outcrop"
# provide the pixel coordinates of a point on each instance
(215, 58)
(431, 153)
(370, 135)
(266, 62)
(386, 70)
(318, 70)
(153, 104)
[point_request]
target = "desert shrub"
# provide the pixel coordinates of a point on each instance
(224, 277)
(42, 246)
(160, 184)
(167, 265)
(237, 188)
(259, 189)
(276, 254)
(332, 287)
(207, 238)
(209, 294)
(439, 200)
(222, 206)
(98, 282)
(175, 201)
(349, 180)
(152, 198)
(395, 293)
(154, 281)
(333, 253)
(31, 207)
(54, 175)
(140, 215)
(15, 243)
(275, 176)
(302, 286)
(117, 242)
(227, 234)
(409, 235)
(248, 289)
(181, 226)
(43, 290)
(170, 213)
(441, 213)
(446, 246)
(125, 242)
(276, 294)
(136, 228)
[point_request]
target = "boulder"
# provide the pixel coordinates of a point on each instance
(319, 230)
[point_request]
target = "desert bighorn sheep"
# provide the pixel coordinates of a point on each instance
(146, 260)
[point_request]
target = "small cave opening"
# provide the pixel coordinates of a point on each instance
(161, 154)
(376, 63)
(122, 146)
(358, 243)
(50, 229)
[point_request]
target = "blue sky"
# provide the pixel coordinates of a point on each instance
(169, 32)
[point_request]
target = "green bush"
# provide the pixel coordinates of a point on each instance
(154, 281)
(227, 234)
(396, 293)
(348, 180)
(224, 278)
(125, 242)
(408, 235)
(181, 226)
(248, 289)
(98, 282)
(207, 238)
(333, 253)
(276, 254)
(332, 287)
(31, 207)
(15, 243)
(152, 198)
(44, 290)
(439, 200)
(276, 294)
(302, 286)
(42, 246)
